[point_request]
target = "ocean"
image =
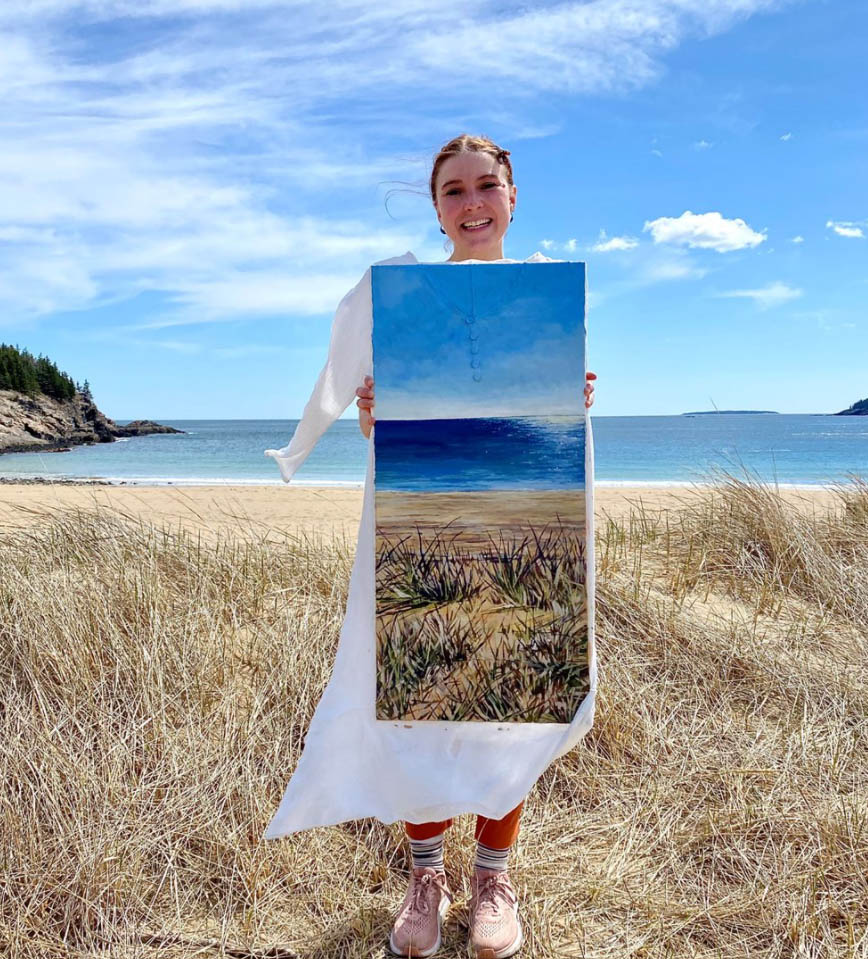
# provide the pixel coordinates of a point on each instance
(629, 450)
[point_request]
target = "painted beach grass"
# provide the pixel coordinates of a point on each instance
(481, 600)
(492, 630)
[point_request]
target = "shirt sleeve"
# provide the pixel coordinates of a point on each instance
(349, 360)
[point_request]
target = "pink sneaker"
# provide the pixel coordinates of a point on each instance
(417, 929)
(495, 929)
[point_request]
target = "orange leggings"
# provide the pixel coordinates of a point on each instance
(496, 833)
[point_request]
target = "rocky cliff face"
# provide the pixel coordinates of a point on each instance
(29, 423)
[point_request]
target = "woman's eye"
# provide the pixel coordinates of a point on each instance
(490, 183)
(452, 192)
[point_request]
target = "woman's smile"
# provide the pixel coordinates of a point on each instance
(476, 225)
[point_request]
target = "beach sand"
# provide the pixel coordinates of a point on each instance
(271, 512)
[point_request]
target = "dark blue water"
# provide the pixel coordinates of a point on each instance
(479, 454)
(789, 448)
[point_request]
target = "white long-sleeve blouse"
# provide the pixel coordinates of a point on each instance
(353, 765)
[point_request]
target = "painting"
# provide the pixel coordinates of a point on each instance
(479, 451)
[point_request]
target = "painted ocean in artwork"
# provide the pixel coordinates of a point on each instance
(481, 550)
(529, 452)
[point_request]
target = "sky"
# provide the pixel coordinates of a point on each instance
(190, 186)
(483, 340)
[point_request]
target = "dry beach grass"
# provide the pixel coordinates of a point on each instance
(157, 686)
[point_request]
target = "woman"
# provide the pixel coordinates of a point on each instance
(353, 766)
(474, 195)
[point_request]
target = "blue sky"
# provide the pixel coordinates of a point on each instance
(481, 340)
(189, 186)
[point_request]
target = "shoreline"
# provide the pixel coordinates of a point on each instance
(229, 482)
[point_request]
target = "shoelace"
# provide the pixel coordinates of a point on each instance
(492, 890)
(419, 901)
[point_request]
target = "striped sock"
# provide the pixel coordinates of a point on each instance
(489, 858)
(428, 853)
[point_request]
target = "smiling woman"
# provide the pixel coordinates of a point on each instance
(474, 195)
(354, 765)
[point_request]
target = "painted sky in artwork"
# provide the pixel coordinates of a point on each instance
(482, 340)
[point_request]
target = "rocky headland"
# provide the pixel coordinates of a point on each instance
(859, 408)
(40, 422)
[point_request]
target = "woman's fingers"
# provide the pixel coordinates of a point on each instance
(365, 403)
(365, 394)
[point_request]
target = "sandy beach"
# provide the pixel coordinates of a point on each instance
(273, 511)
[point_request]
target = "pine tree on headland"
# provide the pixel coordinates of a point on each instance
(22, 372)
(86, 393)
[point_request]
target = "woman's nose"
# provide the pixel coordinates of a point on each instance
(472, 201)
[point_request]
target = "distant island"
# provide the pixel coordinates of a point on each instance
(859, 408)
(43, 409)
(721, 412)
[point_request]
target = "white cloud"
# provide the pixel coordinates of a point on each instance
(608, 244)
(163, 146)
(787, 136)
(706, 231)
(656, 153)
(261, 293)
(851, 230)
(701, 145)
(797, 239)
(660, 271)
(175, 346)
(562, 246)
(768, 296)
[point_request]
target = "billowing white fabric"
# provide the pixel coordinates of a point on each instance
(354, 766)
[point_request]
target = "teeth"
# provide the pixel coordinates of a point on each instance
(470, 223)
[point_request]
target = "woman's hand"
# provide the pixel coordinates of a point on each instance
(365, 403)
(589, 389)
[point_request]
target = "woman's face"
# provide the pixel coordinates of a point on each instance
(474, 202)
